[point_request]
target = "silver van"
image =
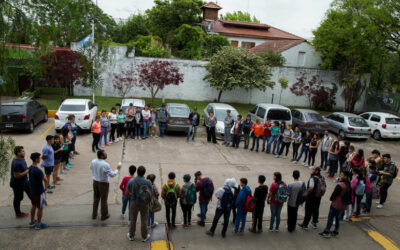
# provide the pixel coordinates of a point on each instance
(273, 112)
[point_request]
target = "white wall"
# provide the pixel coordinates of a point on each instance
(312, 59)
(243, 39)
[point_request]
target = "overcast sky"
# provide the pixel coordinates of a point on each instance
(299, 17)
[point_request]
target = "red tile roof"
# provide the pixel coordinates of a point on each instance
(228, 23)
(211, 5)
(32, 47)
(277, 46)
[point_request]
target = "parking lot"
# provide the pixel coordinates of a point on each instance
(69, 210)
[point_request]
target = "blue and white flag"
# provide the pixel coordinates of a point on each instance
(87, 40)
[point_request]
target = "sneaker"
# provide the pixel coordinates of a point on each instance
(51, 187)
(378, 202)
(285, 157)
(325, 234)
(303, 164)
(49, 191)
(41, 226)
(147, 238)
(128, 235)
(208, 232)
(271, 230)
(32, 224)
(276, 156)
(334, 233)
(122, 216)
(276, 229)
(108, 144)
(76, 153)
(346, 218)
(56, 183)
(22, 215)
(154, 224)
(379, 206)
(303, 227)
(201, 223)
(252, 230)
(314, 225)
(295, 162)
(59, 179)
(111, 142)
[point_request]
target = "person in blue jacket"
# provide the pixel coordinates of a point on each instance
(240, 202)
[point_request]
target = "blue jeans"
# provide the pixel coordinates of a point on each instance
(203, 210)
(271, 140)
(137, 130)
(334, 214)
(191, 127)
(304, 149)
(240, 218)
(126, 203)
(368, 201)
(324, 159)
(162, 125)
(104, 132)
(265, 140)
(278, 146)
(145, 128)
(256, 140)
(227, 134)
(150, 219)
(275, 215)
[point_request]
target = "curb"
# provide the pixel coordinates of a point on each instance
(159, 239)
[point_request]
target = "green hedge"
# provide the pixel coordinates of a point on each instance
(50, 91)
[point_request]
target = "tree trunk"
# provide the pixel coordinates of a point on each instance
(219, 96)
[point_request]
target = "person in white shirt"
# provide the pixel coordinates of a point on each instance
(146, 120)
(112, 117)
(325, 146)
(101, 170)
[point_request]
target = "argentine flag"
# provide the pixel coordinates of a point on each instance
(87, 40)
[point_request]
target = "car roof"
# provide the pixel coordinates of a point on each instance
(222, 106)
(346, 114)
(177, 105)
(307, 111)
(15, 102)
(271, 105)
(382, 114)
(75, 101)
(136, 102)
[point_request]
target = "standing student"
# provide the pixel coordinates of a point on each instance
(187, 200)
(274, 137)
(296, 137)
(237, 131)
(153, 122)
(96, 133)
(19, 180)
(260, 194)
(210, 126)
(138, 121)
(48, 161)
(194, 121)
(57, 159)
(162, 122)
(282, 128)
(360, 184)
(296, 190)
(65, 141)
(105, 126)
(74, 130)
(236, 191)
(70, 136)
(139, 189)
(146, 120)
(333, 159)
(112, 117)
(154, 194)
(286, 140)
(170, 192)
(388, 173)
(373, 178)
(205, 187)
(37, 181)
(224, 206)
(247, 124)
(123, 186)
(340, 199)
(325, 146)
(121, 118)
(344, 149)
(228, 123)
(241, 214)
(130, 124)
(304, 148)
(257, 131)
(358, 160)
(101, 171)
(276, 197)
(376, 159)
(267, 133)
(314, 144)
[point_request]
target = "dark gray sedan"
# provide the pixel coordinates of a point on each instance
(307, 119)
(178, 115)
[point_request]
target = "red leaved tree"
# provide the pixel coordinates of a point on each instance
(306, 88)
(64, 68)
(157, 74)
(125, 81)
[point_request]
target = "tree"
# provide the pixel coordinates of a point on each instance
(305, 88)
(125, 81)
(283, 81)
(273, 59)
(7, 146)
(232, 68)
(155, 75)
(131, 29)
(189, 42)
(151, 46)
(239, 16)
(214, 43)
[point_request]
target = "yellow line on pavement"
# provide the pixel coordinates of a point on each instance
(398, 178)
(385, 242)
(159, 245)
(47, 130)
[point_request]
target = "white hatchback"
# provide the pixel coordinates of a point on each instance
(383, 125)
(85, 112)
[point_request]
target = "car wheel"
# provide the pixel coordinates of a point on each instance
(342, 134)
(31, 127)
(377, 135)
(46, 117)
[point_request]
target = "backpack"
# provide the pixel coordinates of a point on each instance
(302, 195)
(250, 203)
(396, 171)
(321, 186)
(191, 196)
(144, 194)
(360, 189)
(227, 199)
(208, 188)
(171, 197)
(281, 194)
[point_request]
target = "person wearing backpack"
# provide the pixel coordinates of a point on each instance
(241, 212)
(278, 193)
(260, 195)
(389, 172)
(154, 195)
(171, 191)
(360, 185)
(236, 191)
(224, 206)
(205, 187)
(340, 200)
(316, 188)
(140, 191)
(187, 200)
(296, 191)
(373, 178)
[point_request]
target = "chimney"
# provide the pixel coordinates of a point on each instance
(210, 11)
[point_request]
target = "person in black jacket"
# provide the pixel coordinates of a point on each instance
(342, 154)
(237, 131)
(246, 131)
(194, 121)
(138, 122)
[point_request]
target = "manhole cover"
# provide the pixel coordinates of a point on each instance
(242, 168)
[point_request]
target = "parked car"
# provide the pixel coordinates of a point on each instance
(348, 125)
(136, 103)
(85, 112)
(273, 112)
(22, 114)
(219, 110)
(311, 120)
(383, 125)
(178, 117)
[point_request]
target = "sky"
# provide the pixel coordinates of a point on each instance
(299, 17)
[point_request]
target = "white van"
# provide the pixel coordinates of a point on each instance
(273, 112)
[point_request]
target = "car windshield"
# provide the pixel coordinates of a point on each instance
(72, 107)
(179, 111)
(357, 122)
(393, 120)
(278, 114)
(313, 117)
(12, 109)
(221, 114)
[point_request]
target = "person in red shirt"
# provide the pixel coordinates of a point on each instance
(205, 187)
(123, 186)
(267, 133)
(257, 131)
(276, 205)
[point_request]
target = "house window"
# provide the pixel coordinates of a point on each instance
(248, 45)
(235, 43)
(301, 59)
